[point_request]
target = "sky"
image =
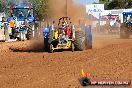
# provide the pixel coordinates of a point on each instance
(85, 1)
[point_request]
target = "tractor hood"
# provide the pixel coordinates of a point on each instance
(22, 7)
(30, 19)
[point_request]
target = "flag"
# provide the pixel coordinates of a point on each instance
(84, 74)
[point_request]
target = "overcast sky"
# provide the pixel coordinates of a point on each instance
(85, 1)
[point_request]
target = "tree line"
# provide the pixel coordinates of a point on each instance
(41, 7)
(117, 4)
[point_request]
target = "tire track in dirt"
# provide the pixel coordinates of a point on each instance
(27, 67)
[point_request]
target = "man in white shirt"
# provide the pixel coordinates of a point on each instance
(53, 26)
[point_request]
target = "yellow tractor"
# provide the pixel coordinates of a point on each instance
(61, 37)
(65, 36)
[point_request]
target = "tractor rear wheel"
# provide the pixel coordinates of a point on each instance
(51, 36)
(79, 41)
(29, 34)
(50, 39)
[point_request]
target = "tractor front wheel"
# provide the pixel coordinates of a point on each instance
(21, 37)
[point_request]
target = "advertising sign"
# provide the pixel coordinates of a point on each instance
(95, 9)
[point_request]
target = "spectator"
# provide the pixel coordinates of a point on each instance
(53, 26)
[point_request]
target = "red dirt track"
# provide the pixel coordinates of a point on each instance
(25, 65)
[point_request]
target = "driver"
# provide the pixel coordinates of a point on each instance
(21, 14)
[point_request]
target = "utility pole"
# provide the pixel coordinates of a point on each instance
(66, 8)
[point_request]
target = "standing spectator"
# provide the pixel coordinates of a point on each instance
(53, 26)
(12, 26)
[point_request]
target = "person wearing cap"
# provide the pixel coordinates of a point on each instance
(21, 14)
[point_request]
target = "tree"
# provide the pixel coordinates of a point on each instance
(3, 5)
(41, 9)
(117, 4)
(105, 2)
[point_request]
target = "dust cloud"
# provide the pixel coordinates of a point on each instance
(74, 11)
(37, 44)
